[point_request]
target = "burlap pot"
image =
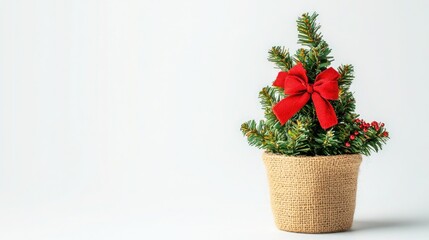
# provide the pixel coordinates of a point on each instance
(313, 194)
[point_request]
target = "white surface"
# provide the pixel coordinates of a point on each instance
(120, 119)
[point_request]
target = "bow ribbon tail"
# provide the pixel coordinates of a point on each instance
(290, 105)
(324, 111)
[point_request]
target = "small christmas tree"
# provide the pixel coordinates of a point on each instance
(309, 110)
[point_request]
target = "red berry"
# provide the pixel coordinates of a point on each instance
(382, 124)
(352, 137)
(385, 134)
(365, 129)
(347, 144)
(356, 133)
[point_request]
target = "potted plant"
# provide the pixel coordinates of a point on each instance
(312, 137)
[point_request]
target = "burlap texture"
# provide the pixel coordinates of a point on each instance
(313, 194)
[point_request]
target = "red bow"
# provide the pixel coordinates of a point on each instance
(298, 91)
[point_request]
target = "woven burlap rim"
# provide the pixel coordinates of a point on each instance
(316, 157)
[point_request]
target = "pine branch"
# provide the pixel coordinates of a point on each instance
(346, 76)
(374, 141)
(281, 57)
(326, 143)
(314, 60)
(367, 137)
(345, 107)
(299, 137)
(308, 30)
(320, 53)
(301, 56)
(318, 59)
(270, 96)
(260, 136)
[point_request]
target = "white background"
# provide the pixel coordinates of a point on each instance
(120, 119)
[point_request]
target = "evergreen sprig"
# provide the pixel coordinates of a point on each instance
(308, 30)
(316, 58)
(270, 96)
(346, 76)
(302, 134)
(281, 57)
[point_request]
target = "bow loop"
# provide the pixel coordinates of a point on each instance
(326, 84)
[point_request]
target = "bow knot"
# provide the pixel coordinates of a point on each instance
(299, 91)
(310, 88)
